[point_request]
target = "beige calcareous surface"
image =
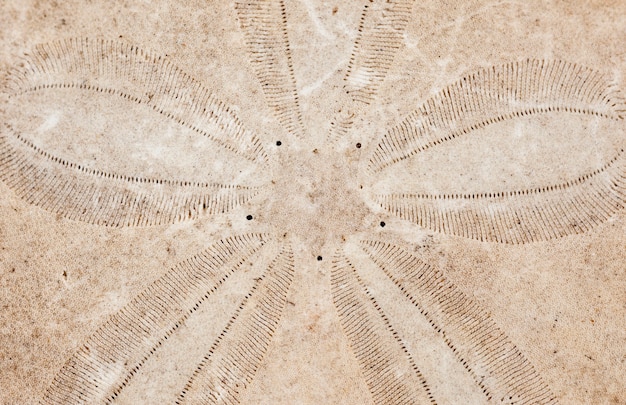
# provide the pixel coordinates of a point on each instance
(312, 202)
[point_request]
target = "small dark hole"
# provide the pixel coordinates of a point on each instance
(358, 145)
(382, 224)
(319, 258)
(249, 217)
(278, 143)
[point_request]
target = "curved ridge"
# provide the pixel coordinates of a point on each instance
(388, 368)
(104, 365)
(521, 216)
(495, 94)
(235, 357)
(80, 193)
(489, 356)
(138, 76)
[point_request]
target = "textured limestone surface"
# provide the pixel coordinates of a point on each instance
(307, 201)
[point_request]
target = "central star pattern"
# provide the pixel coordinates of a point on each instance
(320, 203)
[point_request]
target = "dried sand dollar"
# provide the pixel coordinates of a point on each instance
(89, 134)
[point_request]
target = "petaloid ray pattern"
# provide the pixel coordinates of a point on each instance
(109, 362)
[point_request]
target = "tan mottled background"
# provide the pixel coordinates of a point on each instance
(563, 302)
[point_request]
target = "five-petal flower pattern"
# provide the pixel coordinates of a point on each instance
(328, 200)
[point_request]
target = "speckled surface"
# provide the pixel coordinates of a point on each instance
(514, 204)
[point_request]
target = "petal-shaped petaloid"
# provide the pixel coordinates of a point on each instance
(388, 368)
(520, 216)
(234, 358)
(495, 94)
(107, 362)
(104, 196)
(380, 35)
(265, 25)
(517, 215)
(495, 363)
